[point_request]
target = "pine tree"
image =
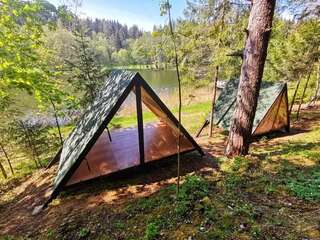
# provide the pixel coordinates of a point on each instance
(86, 74)
(255, 53)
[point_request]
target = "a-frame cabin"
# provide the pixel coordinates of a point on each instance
(89, 152)
(272, 112)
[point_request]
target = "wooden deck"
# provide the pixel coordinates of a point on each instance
(123, 152)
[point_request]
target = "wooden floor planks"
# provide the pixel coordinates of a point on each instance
(123, 152)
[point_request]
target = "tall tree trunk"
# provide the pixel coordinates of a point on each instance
(31, 146)
(7, 157)
(176, 61)
(213, 100)
(255, 53)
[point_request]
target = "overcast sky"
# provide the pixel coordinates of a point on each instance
(144, 13)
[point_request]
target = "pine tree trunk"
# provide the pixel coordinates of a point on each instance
(255, 53)
(315, 97)
(31, 146)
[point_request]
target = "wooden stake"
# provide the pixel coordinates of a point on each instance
(294, 96)
(7, 157)
(57, 121)
(3, 171)
(213, 100)
(304, 92)
(315, 97)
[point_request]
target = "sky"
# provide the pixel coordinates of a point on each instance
(144, 13)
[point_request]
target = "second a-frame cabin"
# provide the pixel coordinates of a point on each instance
(272, 112)
(91, 151)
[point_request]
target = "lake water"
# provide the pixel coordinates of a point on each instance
(161, 80)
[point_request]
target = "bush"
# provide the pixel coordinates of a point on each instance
(306, 186)
(152, 231)
(192, 191)
(36, 141)
(84, 232)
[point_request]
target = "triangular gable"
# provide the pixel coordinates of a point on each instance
(154, 103)
(96, 118)
(92, 123)
(277, 116)
(225, 104)
(268, 95)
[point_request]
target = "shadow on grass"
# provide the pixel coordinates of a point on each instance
(158, 173)
(287, 148)
(16, 217)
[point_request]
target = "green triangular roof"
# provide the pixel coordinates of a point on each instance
(268, 94)
(96, 118)
(83, 135)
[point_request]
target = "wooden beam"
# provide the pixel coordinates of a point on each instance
(225, 113)
(140, 120)
(109, 134)
(287, 102)
(55, 159)
(278, 108)
(213, 101)
(164, 108)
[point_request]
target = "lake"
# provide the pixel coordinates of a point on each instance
(160, 80)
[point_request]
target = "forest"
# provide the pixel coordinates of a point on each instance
(54, 62)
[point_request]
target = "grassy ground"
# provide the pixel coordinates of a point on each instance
(24, 165)
(274, 193)
(192, 117)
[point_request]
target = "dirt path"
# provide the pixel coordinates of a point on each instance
(18, 202)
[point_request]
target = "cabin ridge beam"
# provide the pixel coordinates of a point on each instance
(140, 121)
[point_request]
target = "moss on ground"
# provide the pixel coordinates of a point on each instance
(272, 194)
(262, 196)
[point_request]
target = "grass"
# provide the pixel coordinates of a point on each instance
(267, 195)
(190, 117)
(271, 194)
(274, 193)
(24, 166)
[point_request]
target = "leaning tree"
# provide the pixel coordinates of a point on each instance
(255, 53)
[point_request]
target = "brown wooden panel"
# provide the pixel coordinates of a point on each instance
(281, 120)
(107, 157)
(156, 109)
(161, 141)
(276, 118)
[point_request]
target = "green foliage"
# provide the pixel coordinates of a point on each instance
(36, 141)
(7, 237)
(51, 234)
(21, 46)
(149, 204)
(306, 185)
(85, 73)
(152, 232)
(84, 232)
(191, 192)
